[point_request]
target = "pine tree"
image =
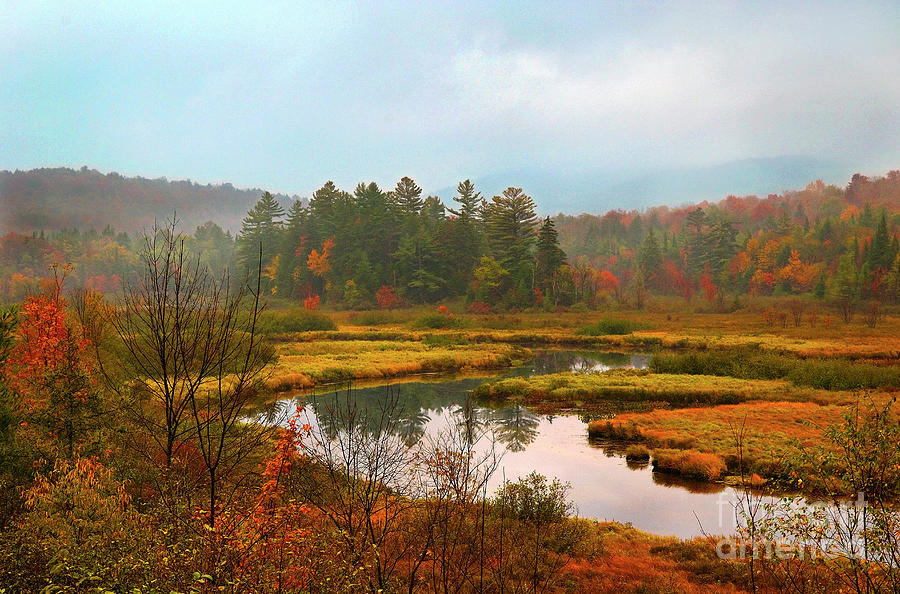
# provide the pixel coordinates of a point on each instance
(548, 257)
(262, 228)
(290, 252)
(408, 196)
(510, 222)
(470, 201)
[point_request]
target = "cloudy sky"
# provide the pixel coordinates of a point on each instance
(285, 96)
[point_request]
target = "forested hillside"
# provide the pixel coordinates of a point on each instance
(382, 247)
(61, 198)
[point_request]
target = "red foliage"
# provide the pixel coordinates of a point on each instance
(607, 281)
(442, 309)
(386, 297)
(709, 288)
(478, 308)
(311, 302)
(676, 279)
(45, 345)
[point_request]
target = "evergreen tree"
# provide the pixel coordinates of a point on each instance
(261, 228)
(291, 256)
(510, 222)
(650, 257)
(408, 196)
(548, 257)
(880, 255)
(470, 201)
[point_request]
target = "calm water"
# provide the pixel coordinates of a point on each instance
(603, 485)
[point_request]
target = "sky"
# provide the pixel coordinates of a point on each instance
(287, 95)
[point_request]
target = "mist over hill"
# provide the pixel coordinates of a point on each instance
(51, 199)
(597, 191)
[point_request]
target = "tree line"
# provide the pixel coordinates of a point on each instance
(376, 247)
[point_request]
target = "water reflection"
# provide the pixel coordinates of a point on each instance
(514, 427)
(582, 362)
(604, 486)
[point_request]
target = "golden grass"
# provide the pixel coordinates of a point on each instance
(307, 364)
(774, 433)
(574, 389)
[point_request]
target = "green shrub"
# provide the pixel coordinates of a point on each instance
(375, 318)
(609, 326)
(535, 499)
(637, 453)
(436, 321)
(827, 374)
(295, 320)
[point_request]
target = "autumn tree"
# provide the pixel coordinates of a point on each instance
(319, 263)
(48, 369)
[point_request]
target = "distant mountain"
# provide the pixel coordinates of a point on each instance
(57, 198)
(598, 191)
(62, 198)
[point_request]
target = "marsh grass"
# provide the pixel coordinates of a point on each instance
(436, 321)
(303, 365)
(636, 385)
(825, 374)
(611, 326)
(776, 434)
(285, 321)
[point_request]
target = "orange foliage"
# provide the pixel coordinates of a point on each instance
(849, 213)
(386, 297)
(311, 302)
(318, 263)
(607, 281)
(799, 275)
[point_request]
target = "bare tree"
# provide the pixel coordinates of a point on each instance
(457, 466)
(363, 480)
(190, 362)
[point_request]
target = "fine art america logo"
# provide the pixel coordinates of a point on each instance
(768, 528)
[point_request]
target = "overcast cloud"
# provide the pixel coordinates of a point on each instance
(286, 97)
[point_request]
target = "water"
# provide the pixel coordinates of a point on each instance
(603, 485)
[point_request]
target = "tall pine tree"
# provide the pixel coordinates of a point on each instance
(261, 228)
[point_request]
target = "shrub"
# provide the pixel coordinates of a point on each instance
(436, 321)
(612, 326)
(637, 452)
(478, 308)
(298, 320)
(386, 297)
(535, 499)
(690, 463)
(311, 303)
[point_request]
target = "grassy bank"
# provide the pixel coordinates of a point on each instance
(774, 436)
(827, 374)
(307, 364)
(573, 389)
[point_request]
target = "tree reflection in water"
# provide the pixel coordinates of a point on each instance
(514, 427)
(416, 405)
